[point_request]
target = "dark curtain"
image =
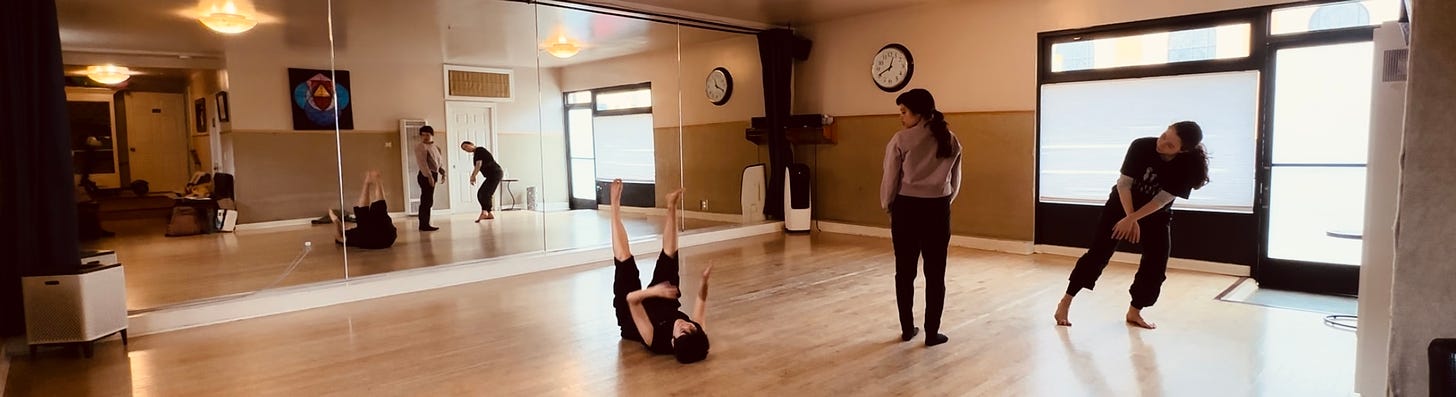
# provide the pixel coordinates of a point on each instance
(37, 197)
(777, 50)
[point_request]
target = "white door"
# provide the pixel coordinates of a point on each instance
(466, 121)
(156, 131)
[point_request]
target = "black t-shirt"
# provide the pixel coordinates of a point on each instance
(662, 325)
(487, 161)
(1150, 173)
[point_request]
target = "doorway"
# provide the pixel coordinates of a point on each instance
(474, 122)
(156, 128)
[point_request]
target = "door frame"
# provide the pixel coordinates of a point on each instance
(572, 202)
(454, 141)
(1287, 274)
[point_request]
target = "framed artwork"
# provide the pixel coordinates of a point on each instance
(222, 106)
(321, 99)
(199, 114)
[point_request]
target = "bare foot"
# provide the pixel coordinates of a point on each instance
(673, 197)
(1135, 317)
(480, 217)
(489, 216)
(1062, 308)
(616, 192)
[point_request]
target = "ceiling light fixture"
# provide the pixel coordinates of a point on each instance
(225, 18)
(562, 48)
(108, 74)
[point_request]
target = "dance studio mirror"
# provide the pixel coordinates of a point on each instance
(258, 134)
(181, 132)
(638, 97)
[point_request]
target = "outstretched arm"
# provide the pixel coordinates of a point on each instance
(639, 314)
(700, 310)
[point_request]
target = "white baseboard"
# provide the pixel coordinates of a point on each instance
(1173, 263)
(265, 303)
(275, 224)
(986, 244)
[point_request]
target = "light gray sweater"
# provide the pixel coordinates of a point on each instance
(912, 169)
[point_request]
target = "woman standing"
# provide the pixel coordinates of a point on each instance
(484, 163)
(922, 176)
(1139, 211)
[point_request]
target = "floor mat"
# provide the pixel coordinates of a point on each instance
(1246, 290)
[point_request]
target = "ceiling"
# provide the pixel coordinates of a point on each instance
(772, 12)
(480, 32)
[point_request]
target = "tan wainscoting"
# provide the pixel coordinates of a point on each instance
(998, 170)
(283, 175)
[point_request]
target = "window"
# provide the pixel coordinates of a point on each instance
(1087, 126)
(1332, 16)
(625, 148)
(623, 100)
(579, 98)
(1220, 42)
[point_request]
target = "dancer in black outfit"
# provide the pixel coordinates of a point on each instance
(484, 163)
(651, 315)
(375, 229)
(1139, 210)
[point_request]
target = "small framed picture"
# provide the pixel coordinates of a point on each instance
(199, 114)
(222, 106)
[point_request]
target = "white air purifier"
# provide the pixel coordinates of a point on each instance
(77, 308)
(797, 198)
(754, 193)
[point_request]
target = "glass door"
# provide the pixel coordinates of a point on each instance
(581, 152)
(1314, 186)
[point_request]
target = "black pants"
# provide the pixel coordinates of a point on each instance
(920, 228)
(627, 280)
(1153, 268)
(374, 228)
(487, 189)
(427, 198)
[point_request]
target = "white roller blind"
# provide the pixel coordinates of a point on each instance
(1086, 128)
(624, 148)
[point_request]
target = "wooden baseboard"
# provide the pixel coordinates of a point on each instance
(980, 243)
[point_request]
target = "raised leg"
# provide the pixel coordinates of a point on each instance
(669, 225)
(620, 248)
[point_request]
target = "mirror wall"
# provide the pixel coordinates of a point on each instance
(254, 144)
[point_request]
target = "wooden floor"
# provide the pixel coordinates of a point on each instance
(169, 270)
(795, 315)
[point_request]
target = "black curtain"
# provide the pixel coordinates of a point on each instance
(777, 50)
(37, 196)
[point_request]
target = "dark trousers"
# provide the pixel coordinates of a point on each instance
(627, 280)
(427, 198)
(487, 190)
(1153, 268)
(920, 228)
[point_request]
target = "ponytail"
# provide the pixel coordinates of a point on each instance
(945, 143)
(921, 103)
(1192, 134)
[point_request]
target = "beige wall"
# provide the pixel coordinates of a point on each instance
(979, 60)
(1423, 294)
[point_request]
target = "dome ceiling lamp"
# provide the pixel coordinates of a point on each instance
(224, 16)
(108, 74)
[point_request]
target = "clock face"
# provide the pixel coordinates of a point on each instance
(718, 86)
(892, 68)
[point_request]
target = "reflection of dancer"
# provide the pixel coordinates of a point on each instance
(1139, 210)
(432, 172)
(922, 174)
(375, 229)
(484, 163)
(651, 315)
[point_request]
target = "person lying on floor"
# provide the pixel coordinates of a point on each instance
(651, 315)
(374, 228)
